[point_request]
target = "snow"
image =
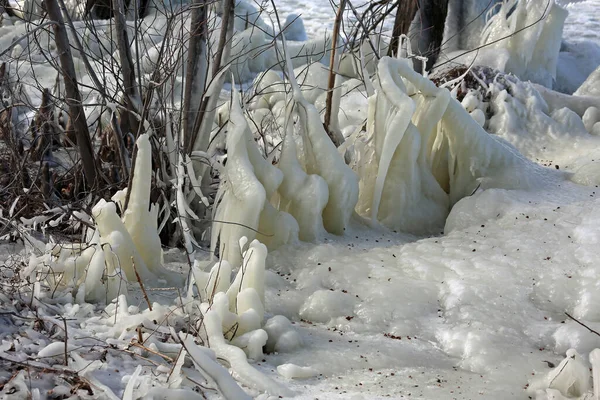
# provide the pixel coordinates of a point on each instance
(492, 236)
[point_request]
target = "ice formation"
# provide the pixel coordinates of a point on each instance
(233, 314)
(591, 86)
(205, 361)
(520, 37)
(319, 193)
(248, 184)
(302, 195)
(119, 250)
(322, 158)
(571, 378)
(424, 152)
(530, 33)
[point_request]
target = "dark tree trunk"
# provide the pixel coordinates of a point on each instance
(73, 97)
(436, 10)
(132, 98)
(197, 68)
(405, 13)
(429, 30)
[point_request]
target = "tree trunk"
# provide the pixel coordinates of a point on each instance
(132, 97)
(429, 24)
(405, 13)
(197, 68)
(206, 114)
(436, 12)
(73, 97)
(331, 121)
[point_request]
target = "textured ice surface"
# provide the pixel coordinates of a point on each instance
(476, 313)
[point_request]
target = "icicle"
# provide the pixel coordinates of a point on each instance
(136, 218)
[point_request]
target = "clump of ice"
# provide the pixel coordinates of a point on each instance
(291, 371)
(247, 185)
(302, 195)
(312, 191)
(530, 33)
(282, 337)
(591, 86)
(571, 378)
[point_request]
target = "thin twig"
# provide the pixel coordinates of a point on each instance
(582, 324)
(141, 284)
(66, 345)
(331, 81)
(19, 40)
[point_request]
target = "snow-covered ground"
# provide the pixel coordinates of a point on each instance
(476, 312)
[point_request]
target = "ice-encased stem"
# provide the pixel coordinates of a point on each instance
(595, 361)
(206, 363)
(139, 221)
(237, 359)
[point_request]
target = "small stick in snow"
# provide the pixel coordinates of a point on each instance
(582, 324)
(141, 284)
(140, 337)
(66, 341)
